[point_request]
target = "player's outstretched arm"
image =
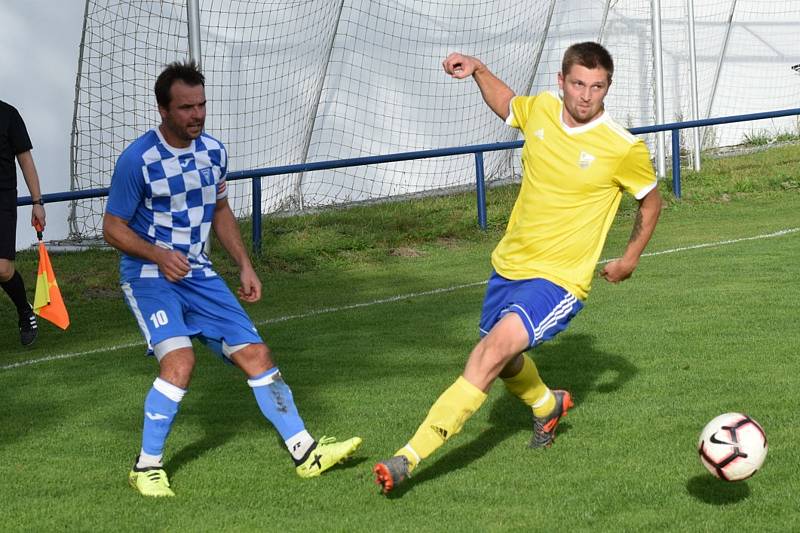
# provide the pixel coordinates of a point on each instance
(495, 92)
(643, 228)
(227, 231)
(172, 263)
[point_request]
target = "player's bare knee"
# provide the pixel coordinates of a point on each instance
(497, 358)
(253, 359)
(489, 358)
(267, 356)
(177, 367)
(178, 377)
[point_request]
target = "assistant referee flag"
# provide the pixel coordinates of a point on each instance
(47, 302)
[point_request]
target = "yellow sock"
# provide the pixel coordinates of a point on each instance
(529, 387)
(445, 419)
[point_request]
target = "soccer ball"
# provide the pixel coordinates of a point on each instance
(732, 446)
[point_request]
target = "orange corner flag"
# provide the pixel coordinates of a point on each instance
(47, 302)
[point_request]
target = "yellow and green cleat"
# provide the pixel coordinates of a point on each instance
(327, 454)
(151, 482)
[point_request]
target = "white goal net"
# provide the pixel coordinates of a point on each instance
(303, 81)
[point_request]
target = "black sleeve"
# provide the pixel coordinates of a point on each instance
(18, 137)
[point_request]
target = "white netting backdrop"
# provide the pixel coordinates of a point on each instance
(303, 81)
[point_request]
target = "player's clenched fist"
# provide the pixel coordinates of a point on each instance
(173, 265)
(618, 270)
(250, 290)
(460, 66)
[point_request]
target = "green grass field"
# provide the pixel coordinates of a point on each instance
(371, 313)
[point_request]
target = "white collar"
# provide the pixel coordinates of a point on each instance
(583, 128)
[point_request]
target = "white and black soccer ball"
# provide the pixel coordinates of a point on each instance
(733, 446)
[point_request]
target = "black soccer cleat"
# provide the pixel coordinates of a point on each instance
(544, 429)
(28, 328)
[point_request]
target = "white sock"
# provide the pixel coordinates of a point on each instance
(149, 461)
(299, 444)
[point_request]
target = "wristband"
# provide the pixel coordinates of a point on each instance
(39, 201)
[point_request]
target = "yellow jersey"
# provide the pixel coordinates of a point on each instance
(572, 183)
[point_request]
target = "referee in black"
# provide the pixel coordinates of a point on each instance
(16, 144)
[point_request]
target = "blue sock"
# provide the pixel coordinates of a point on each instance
(160, 408)
(275, 400)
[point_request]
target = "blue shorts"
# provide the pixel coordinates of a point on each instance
(193, 307)
(544, 307)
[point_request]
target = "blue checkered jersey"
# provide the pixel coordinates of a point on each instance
(168, 196)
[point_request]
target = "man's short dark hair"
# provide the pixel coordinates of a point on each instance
(589, 55)
(186, 71)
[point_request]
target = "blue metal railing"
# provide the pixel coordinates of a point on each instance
(477, 149)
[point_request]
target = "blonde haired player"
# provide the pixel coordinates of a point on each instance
(576, 161)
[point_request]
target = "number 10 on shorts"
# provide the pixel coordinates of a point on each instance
(159, 318)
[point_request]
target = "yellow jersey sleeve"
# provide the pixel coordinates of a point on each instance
(635, 173)
(520, 109)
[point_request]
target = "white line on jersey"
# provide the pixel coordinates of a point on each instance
(400, 297)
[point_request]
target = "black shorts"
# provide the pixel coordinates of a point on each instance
(8, 224)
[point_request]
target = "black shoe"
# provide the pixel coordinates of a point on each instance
(28, 328)
(391, 472)
(544, 429)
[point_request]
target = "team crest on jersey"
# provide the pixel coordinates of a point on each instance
(539, 134)
(585, 160)
(206, 177)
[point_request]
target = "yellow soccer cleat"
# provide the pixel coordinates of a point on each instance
(150, 482)
(326, 454)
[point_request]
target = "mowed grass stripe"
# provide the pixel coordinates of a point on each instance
(315, 312)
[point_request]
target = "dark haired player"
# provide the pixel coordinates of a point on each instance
(168, 191)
